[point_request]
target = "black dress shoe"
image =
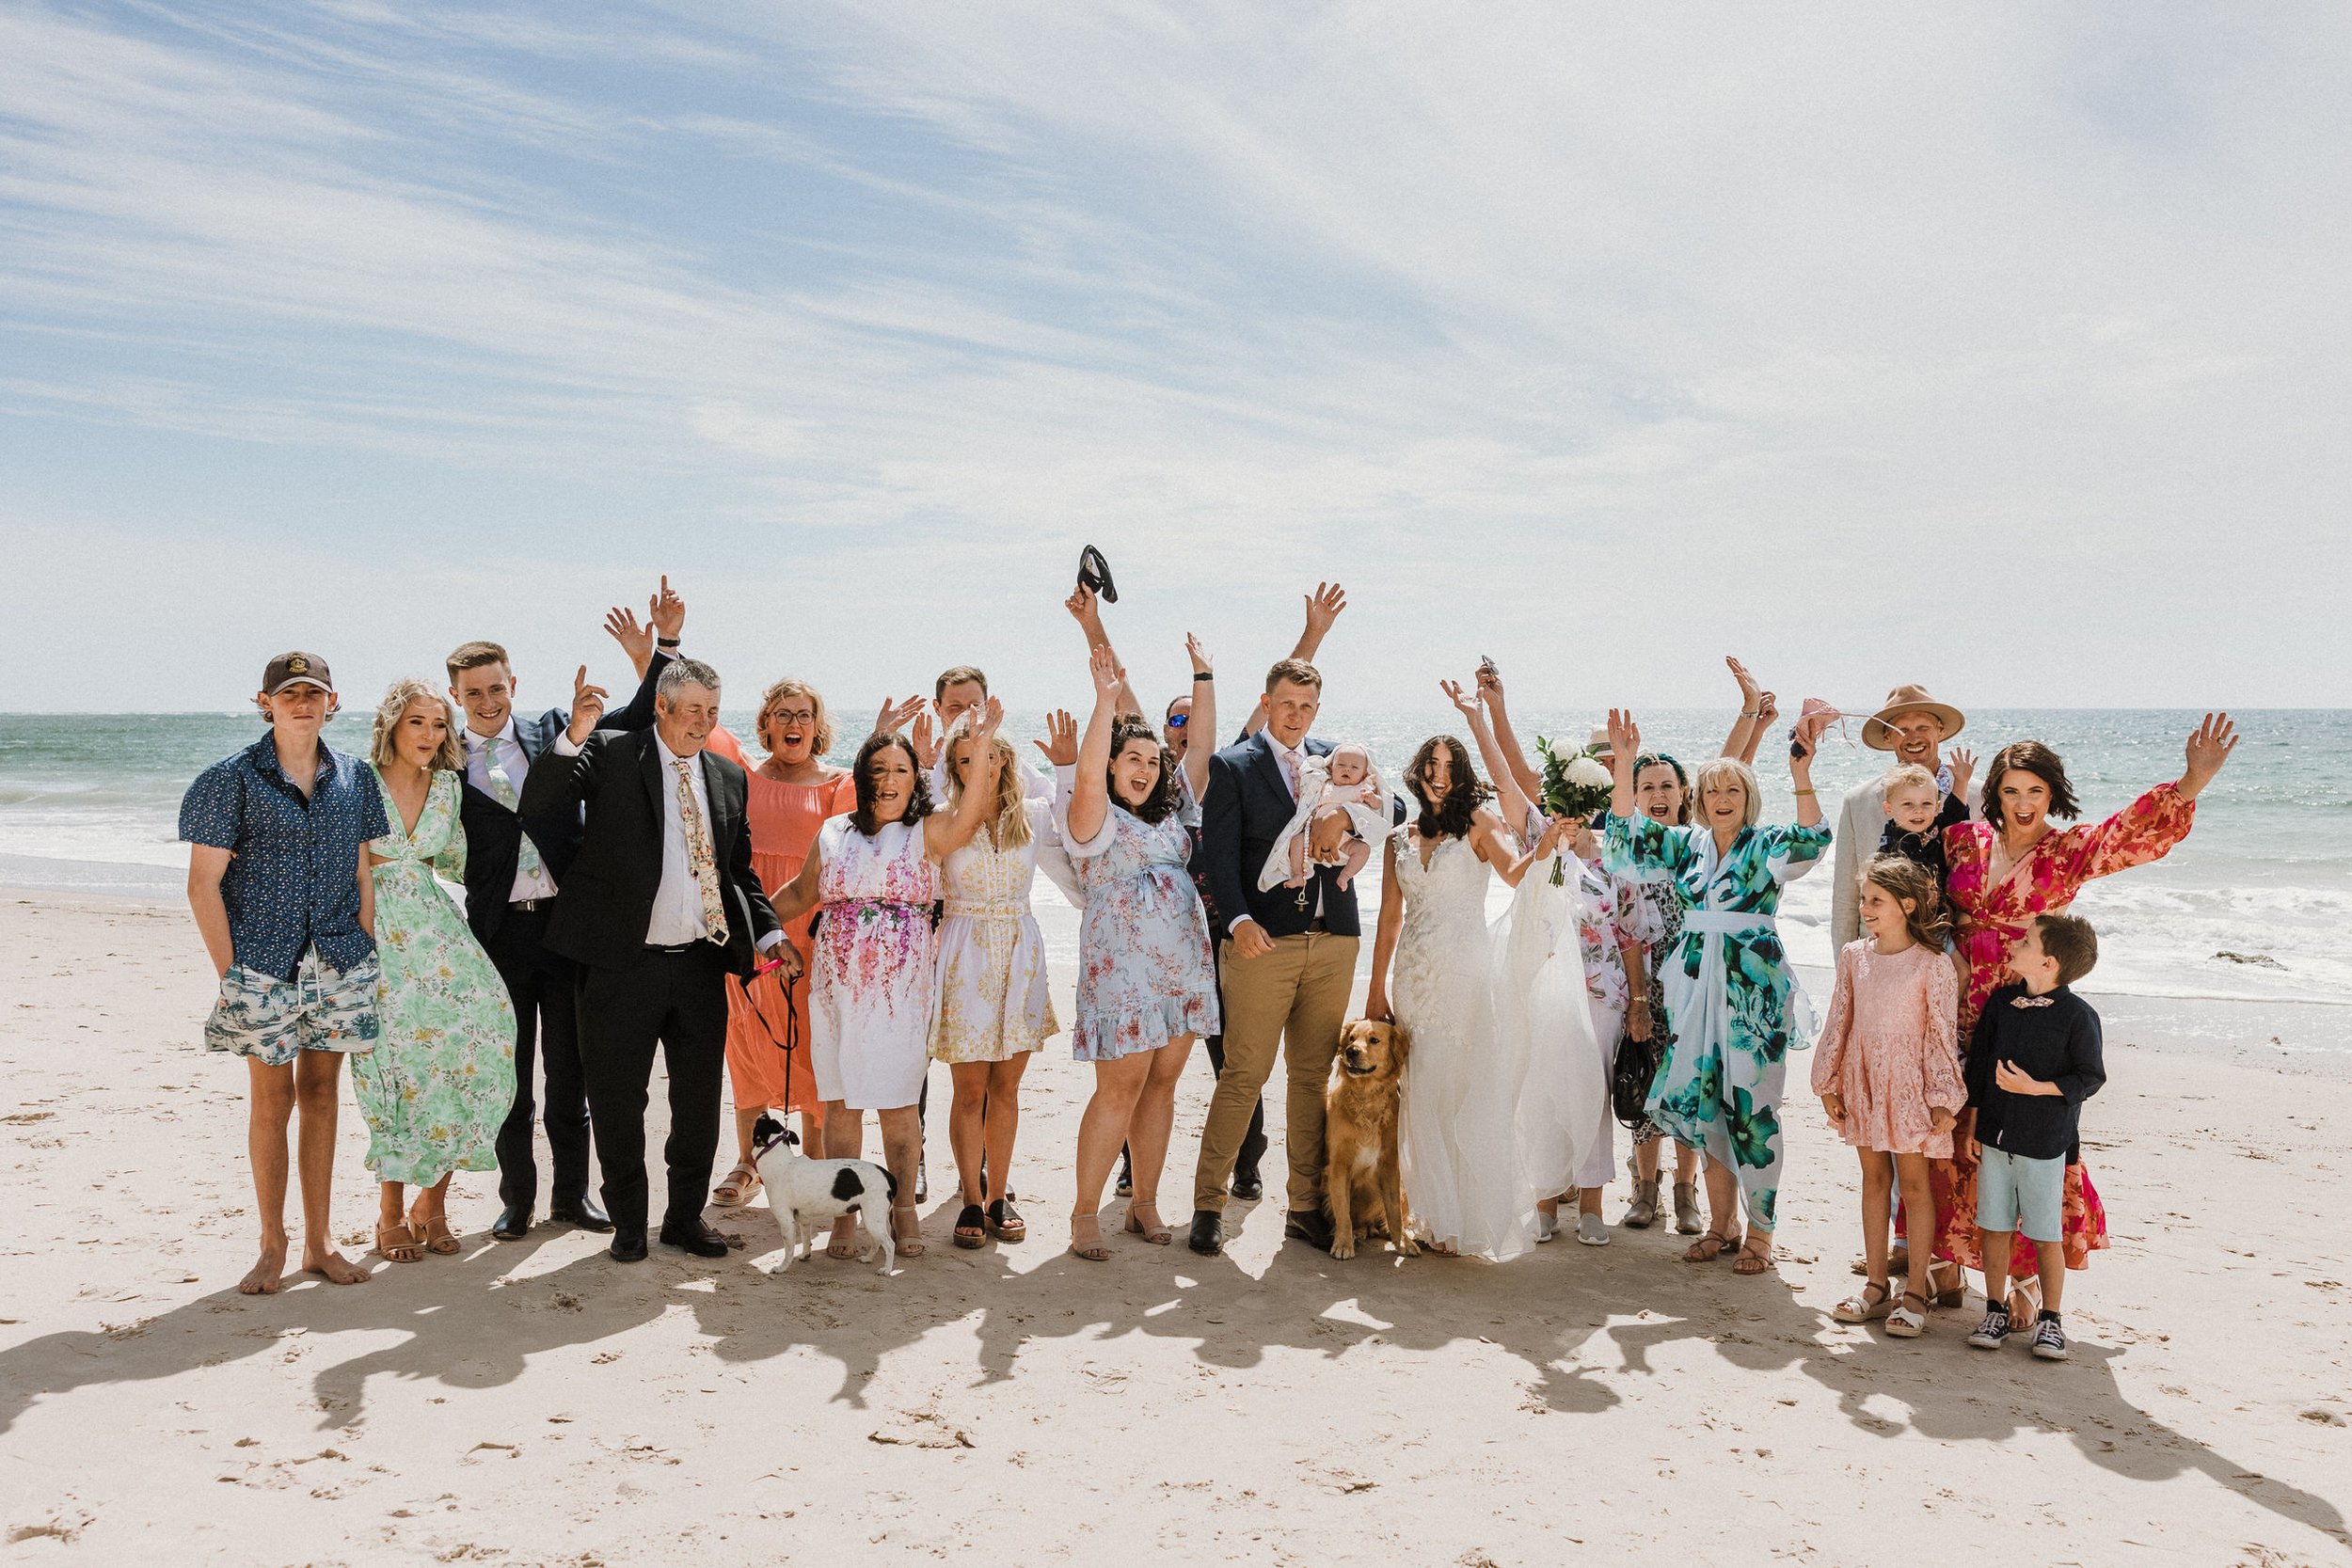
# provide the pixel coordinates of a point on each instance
(695, 1235)
(1312, 1229)
(512, 1224)
(1249, 1186)
(629, 1246)
(1208, 1233)
(581, 1214)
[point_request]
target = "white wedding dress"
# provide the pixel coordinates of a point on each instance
(1501, 1090)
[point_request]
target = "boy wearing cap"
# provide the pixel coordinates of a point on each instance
(286, 909)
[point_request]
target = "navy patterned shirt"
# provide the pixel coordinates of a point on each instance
(293, 882)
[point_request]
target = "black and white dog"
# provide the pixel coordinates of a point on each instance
(807, 1196)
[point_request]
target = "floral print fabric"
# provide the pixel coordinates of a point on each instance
(1144, 976)
(873, 975)
(439, 1082)
(993, 1002)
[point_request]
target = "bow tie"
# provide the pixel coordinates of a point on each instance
(2029, 1000)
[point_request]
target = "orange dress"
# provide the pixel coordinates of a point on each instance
(785, 820)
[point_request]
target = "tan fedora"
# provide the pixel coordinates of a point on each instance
(1877, 731)
(1598, 744)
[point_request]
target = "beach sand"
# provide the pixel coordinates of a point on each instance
(534, 1402)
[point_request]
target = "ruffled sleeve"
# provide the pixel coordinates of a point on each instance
(1791, 848)
(1635, 844)
(2142, 831)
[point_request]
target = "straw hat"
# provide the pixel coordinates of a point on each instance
(1878, 731)
(1598, 745)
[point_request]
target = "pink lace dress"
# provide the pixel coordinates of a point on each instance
(1890, 1050)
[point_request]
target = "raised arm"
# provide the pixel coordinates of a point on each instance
(1510, 866)
(943, 836)
(565, 775)
(1801, 770)
(1323, 609)
(1087, 612)
(1625, 751)
(1203, 727)
(1757, 712)
(1517, 805)
(1490, 690)
(1089, 792)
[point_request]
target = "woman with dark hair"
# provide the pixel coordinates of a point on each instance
(1146, 987)
(874, 874)
(1662, 792)
(1469, 1181)
(2014, 866)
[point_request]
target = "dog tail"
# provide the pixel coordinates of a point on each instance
(890, 1182)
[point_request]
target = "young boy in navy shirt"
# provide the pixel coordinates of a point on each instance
(2033, 1060)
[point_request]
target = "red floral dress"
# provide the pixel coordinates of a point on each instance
(1994, 915)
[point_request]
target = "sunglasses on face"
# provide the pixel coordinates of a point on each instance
(1177, 720)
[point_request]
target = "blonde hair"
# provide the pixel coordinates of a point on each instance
(1721, 768)
(408, 688)
(1909, 775)
(822, 745)
(1009, 828)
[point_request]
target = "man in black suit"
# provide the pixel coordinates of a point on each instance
(1287, 963)
(513, 866)
(658, 905)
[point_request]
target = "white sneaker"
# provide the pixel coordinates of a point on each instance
(1591, 1231)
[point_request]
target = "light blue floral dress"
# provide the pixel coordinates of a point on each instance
(1144, 972)
(1728, 994)
(441, 1079)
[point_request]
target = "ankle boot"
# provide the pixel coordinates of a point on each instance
(1642, 1213)
(1687, 1208)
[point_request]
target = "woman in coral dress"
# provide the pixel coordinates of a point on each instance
(2015, 865)
(793, 794)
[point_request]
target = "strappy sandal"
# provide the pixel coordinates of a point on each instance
(1005, 1222)
(1863, 1308)
(910, 1243)
(1904, 1324)
(1948, 1283)
(1155, 1233)
(1094, 1251)
(397, 1244)
(435, 1234)
(1709, 1247)
(737, 1189)
(971, 1227)
(1752, 1262)
(2024, 1299)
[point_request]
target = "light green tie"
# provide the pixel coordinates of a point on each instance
(503, 791)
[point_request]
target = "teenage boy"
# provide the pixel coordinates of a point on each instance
(2033, 1060)
(286, 909)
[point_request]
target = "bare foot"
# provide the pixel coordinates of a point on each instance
(263, 1277)
(333, 1266)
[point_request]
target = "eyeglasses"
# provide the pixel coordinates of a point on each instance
(1177, 720)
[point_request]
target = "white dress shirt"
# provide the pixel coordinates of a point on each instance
(1287, 758)
(508, 750)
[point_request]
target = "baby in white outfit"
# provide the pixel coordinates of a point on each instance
(1341, 792)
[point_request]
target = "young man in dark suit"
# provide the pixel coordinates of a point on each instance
(513, 867)
(660, 904)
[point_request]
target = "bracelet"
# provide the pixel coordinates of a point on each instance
(1204, 675)
(666, 642)
(1745, 714)
(1805, 791)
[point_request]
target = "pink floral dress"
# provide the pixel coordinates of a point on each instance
(873, 975)
(1890, 1050)
(1994, 914)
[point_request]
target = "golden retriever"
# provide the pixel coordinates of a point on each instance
(1363, 1187)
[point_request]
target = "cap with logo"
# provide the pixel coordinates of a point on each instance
(296, 670)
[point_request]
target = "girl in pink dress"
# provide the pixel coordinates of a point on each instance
(1887, 1069)
(2015, 865)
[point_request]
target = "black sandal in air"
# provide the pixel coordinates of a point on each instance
(1095, 573)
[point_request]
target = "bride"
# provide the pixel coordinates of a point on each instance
(1498, 1085)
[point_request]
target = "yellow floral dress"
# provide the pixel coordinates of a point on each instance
(993, 1001)
(441, 1079)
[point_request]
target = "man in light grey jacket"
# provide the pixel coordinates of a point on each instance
(1913, 726)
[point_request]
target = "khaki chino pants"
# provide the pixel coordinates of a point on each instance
(1295, 999)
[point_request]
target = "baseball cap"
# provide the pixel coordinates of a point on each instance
(296, 670)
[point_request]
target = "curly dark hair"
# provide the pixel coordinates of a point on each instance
(1449, 818)
(1162, 802)
(918, 803)
(2043, 764)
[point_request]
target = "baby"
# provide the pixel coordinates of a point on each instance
(1342, 811)
(1918, 811)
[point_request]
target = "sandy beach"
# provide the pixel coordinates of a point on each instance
(535, 1404)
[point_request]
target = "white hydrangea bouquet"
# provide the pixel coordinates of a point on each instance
(1576, 785)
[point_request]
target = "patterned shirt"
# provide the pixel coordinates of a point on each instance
(293, 880)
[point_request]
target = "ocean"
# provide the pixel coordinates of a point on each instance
(2255, 906)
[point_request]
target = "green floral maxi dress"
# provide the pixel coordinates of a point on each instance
(441, 1079)
(1728, 991)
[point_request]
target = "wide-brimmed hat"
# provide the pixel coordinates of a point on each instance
(1598, 745)
(1878, 729)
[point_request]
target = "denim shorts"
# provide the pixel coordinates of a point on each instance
(2010, 1186)
(270, 1019)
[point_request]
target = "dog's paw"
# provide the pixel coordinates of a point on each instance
(1408, 1248)
(1343, 1247)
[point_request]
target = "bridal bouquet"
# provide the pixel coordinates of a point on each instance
(1576, 786)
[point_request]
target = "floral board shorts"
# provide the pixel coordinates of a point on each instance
(319, 1009)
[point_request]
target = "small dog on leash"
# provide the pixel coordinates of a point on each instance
(808, 1196)
(1364, 1184)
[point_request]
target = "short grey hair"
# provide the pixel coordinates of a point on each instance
(684, 671)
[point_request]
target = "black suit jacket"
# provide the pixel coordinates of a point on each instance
(1244, 813)
(607, 895)
(494, 834)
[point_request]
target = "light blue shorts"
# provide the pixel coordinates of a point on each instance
(2009, 1187)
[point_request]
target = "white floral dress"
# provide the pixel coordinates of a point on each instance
(994, 1002)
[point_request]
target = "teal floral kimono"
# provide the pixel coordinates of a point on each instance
(1729, 997)
(439, 1082)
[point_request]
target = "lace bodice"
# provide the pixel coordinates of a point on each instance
(1449, 894)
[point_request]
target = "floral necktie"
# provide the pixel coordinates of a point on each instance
(503, 791)
(699, 859)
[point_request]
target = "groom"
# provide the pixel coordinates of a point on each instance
(1288, 961)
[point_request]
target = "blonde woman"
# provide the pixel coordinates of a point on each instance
(792, 796)
(994, 1006)
(438, 1086)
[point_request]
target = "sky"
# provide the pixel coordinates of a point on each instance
(2002, 349)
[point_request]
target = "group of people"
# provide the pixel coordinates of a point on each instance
(817, 937)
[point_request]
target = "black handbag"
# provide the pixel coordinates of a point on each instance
(1635, 1071)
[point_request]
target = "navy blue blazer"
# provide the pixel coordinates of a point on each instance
(1247, 807)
